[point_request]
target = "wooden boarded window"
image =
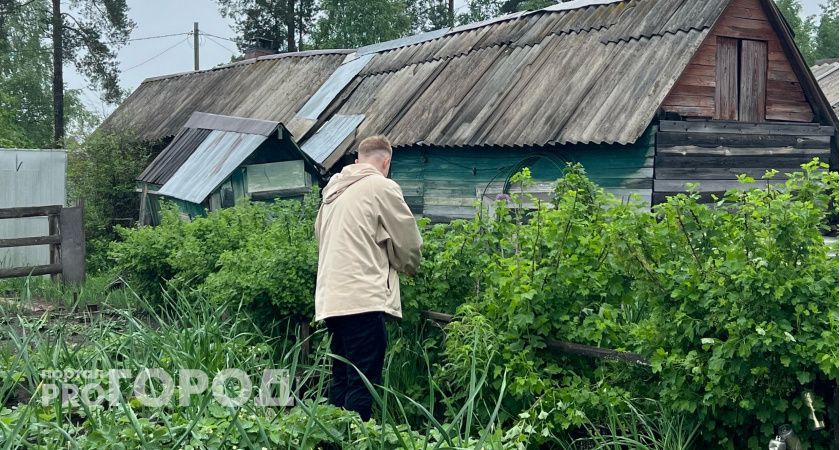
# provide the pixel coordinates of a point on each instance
(726, 79)
(741, 80)
(753, 96)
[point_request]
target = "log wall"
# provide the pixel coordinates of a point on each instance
(446, 183)
(713, 154)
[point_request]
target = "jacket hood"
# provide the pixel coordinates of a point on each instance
(349, 176)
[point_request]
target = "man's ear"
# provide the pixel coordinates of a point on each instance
(357, 162)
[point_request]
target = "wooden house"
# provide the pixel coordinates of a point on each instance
(648, 95)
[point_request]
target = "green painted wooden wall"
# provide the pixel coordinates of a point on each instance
(444, 183)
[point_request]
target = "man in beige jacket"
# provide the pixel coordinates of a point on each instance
(366, 234)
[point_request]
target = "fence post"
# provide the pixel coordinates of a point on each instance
(55, 249)
(71, 224)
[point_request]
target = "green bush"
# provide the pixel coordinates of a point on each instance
(734, 304)
(141, 255)
(743, 308)
(207, 238)
(274, 270)
(261, 255)
(102, 173)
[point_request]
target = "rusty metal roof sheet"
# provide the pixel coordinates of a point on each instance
(270, 88)
(210, 165)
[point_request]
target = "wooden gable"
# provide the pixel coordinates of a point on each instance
(706, 88)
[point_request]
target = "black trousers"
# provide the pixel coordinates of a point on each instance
(361, 339)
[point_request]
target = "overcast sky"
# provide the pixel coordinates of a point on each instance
(141, 59)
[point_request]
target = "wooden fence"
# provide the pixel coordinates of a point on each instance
(66, 240)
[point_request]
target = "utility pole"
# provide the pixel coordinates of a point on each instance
(58, 74)
(451, 13)
(195, 43)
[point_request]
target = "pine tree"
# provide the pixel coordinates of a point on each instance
(286, 23)
(825, 40)
(802, 27)
(27, 113)
(352, 24)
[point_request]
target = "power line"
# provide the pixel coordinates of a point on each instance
(158, 55)
(146, 38)
(220, 45)
(219, 37)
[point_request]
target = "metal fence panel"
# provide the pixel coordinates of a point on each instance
(29, 178)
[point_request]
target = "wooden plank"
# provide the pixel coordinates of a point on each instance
(450, 201)
(696, 80)
(775, 162)
(753, 92)
(72, 244)
(690, 150)
(687, 89)
(705, 197)
(55, 250)
(709, 185)
(672, 139)
(447, 213)
(692, 111)
(794, 106)
(700, 101)
(790, 116)
(47, 269)
(29, 211)
(27, 241)
(726, 76)
(732, 127)
(562, 346)
(706, 173)
(785, 91)
(781, 75)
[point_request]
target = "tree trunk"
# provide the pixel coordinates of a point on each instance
(299, 18)
(290, 25)
(58, 75)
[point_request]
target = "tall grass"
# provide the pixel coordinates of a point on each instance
(193, 333)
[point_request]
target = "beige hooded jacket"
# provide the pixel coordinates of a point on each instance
(366, 234)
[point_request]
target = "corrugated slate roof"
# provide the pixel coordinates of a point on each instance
(595, 73)
(586, 71)
(827, 74)
(211, 163)
(227, 123)
(270, 88)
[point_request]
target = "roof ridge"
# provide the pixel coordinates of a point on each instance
(246, 62)
(489, 46)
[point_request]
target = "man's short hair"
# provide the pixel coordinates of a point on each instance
(375, 146)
